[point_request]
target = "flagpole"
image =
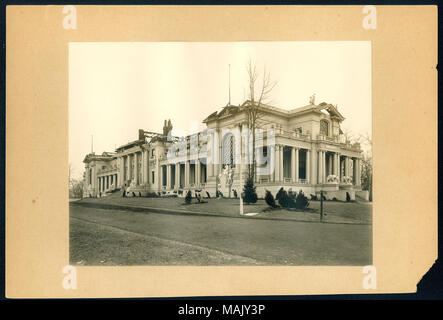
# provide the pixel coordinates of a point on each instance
(229, 84)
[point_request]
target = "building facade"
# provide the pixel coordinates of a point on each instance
(302, 149)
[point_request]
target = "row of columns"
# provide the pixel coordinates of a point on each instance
(134, 166)
(140, 162)
(295, 164)
(199, 177)
(336, 167)
(105, 182)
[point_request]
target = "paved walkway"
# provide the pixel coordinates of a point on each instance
(334, 212)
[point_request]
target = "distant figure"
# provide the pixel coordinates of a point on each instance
(139, 194)
(220, 194)
(207, 193)
(124, 191)
(235, 193)
(133, 193)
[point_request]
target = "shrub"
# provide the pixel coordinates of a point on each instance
(250, 195)
(301, 201)
(292, 194)
(279, 193)
(152, 195)
(269, 198)
(285, 200)
(188, 197)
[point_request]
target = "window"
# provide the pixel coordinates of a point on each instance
(228, 150)
(299, 130)
(324, 127)
(152, 152)
(153, 176)
(265, 151)
(262, 154)
(90, 176)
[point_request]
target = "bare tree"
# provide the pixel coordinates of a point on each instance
(255, 104)
(365, 142)
(366, 167)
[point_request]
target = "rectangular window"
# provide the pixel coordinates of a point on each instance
(153, 176)
(152, 152)
(90, 176)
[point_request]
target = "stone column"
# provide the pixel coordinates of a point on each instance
(119, 172)
(359, 172)
(334, 168)
(210, 155)
(168, 176)
(187, 171)
(341, 166)
(136, 168)
(297, 164)
(347, 167)
(157, 175)
(197, 173)
(142, 167)
(354, 169)
(330, 164)
(319, 171)
(281, 163)
(177, 175)
(293, 164)
(308, 166)
(324, 166)
(220, 153)
(277, 163)
(314, 163)
(272, 166)
(148, 180)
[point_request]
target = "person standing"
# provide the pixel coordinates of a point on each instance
(124, 191)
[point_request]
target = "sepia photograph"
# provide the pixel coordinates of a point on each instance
(204, 151)
(220, 153)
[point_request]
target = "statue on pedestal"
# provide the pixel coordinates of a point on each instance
(225, 180)
(312, 99)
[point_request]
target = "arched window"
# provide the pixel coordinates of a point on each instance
(324, 127)
(228, 150)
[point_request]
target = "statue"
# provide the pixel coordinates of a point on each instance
(167, 127)
(225, 180)
(312, 99)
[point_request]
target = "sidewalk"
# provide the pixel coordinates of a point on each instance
(334, 212)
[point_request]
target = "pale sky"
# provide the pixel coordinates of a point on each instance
(116, 88)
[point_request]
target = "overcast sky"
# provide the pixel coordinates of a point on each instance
(117, 88)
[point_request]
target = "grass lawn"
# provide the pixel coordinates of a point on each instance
(334, 211)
